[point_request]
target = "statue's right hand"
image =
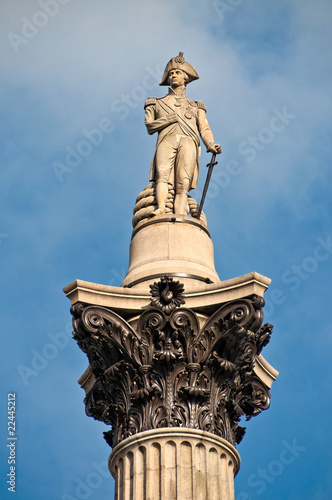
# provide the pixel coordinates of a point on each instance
(214, 148)
(172, 117)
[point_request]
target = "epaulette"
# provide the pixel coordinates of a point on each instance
(192, 103)
(201, 105)
(150, 101)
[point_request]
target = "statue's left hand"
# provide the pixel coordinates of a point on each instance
(214, 148)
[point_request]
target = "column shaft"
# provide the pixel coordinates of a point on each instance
(174, 464)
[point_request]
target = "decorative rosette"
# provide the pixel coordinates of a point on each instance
(167, 294)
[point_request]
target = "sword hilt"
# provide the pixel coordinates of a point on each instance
(213, 161)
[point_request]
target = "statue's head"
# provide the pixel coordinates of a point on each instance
(178, 63)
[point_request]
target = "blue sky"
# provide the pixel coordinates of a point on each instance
(69, 67)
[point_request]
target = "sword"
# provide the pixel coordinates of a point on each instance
(208, 177)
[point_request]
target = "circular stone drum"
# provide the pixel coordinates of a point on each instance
(179, 246)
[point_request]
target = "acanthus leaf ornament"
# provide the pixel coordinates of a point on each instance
(169, 372)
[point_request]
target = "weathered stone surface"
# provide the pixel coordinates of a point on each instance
(128, 302)
(174, 464)
(177, 245)
(166, 370)
(180, 123)
(172, 373)
(146, 204)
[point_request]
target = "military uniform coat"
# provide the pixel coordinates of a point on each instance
(177, 114)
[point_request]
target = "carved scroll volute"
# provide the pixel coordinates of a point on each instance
(261, 396)
(246, 313)
(185, 322)
(151, 322)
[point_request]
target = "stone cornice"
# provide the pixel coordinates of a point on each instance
(131, 301)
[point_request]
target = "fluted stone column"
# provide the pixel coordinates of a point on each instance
(174, 464)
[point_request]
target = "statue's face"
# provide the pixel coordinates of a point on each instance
(176, 77)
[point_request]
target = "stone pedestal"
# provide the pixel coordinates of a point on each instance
(180, 247)
(174, 464)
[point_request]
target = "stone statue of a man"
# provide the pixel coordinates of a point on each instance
(179, 122)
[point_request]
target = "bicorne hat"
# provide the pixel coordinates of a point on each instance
(179, 62)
